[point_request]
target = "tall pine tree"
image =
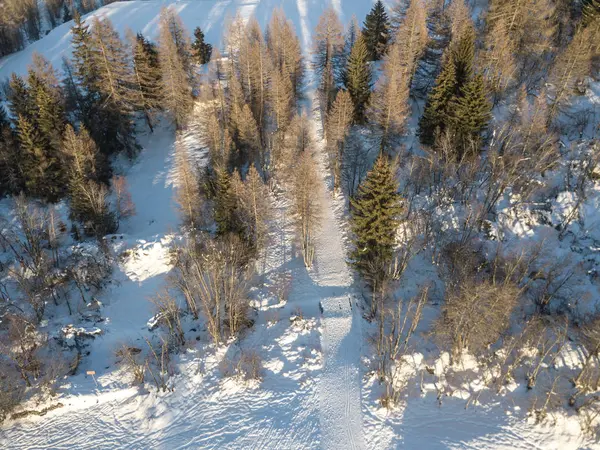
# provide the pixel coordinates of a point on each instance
(436, 113)
(201, 50)
(375, 218)
(376, 31)
(358, 79)
(471, 114)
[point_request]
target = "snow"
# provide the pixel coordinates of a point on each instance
(316, 390)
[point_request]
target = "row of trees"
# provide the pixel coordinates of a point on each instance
(21, 21)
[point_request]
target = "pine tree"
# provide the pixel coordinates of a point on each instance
(66, 14)
(358, 80)
(50, 117)
(436, 112)
(201, 50)
(376, 31)
(463, 54)
(146, 70)
(350, 37)
(471, 114)
(82, 59)
(20, 100)
(375, 218)
(41, 171)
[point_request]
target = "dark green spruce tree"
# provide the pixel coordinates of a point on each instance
(376, 31)
(41, 170)
(201, 50)
(463, 54)
(358, 79)
(436, 114)
(20, 100)
(471, 115)
(375, 213)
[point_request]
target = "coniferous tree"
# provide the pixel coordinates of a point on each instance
(463, 54)
(88, 198)
(49, 117)
(170, 20)
(41, 170)
(84, 69)
(328, 47)
(254, 209)
(146, 71)
(20, 101)
(285, 50)
(376, 31)
(389, 105)
(375, 218)
(226, 203)
(337, 127)
(471, 113)
(201, 50)
(358, 79)
(175, 81)
(350, 37)
(590, 10)
(436, 113)
(67, 17)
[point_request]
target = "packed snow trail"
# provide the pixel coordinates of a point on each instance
(339, 389)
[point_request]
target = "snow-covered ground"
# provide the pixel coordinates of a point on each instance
(315, 392)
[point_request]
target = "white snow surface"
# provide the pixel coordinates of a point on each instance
(315, 391)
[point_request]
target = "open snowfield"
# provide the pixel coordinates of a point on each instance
(316, 392)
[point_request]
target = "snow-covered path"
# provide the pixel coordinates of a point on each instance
(341, 339)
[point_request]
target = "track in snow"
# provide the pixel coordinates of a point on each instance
(339, 389)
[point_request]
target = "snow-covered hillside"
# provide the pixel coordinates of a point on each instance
(317, 390)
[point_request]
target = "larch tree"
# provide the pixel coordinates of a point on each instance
(590, 10)
(389, 105)
(411, 39)
(306, 204)
(147, 79)
(255, 209)
(497, 59)
(359, 79)
(337, 128)
(376, 31)
(285, 50)
(88, 198)
(187, 191)
(113, 82)
(328, 48)
(175, 83)
(375, 217)
(570, 67)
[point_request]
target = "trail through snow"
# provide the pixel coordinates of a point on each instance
(341, 338)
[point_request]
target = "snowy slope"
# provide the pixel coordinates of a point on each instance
(313, 393)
